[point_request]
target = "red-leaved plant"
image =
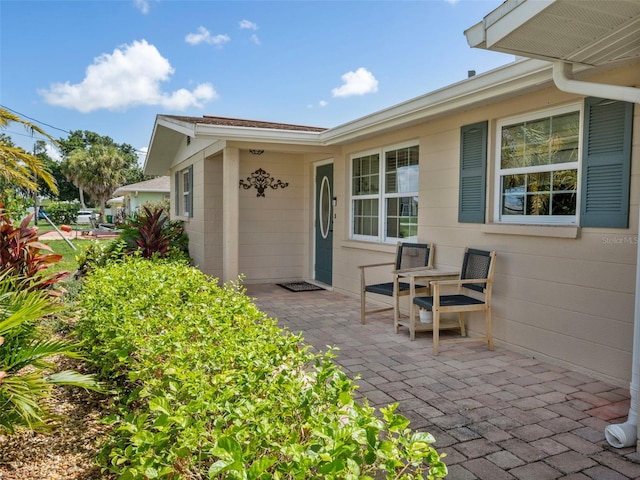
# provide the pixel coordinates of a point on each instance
(20, 254)
(153, 239)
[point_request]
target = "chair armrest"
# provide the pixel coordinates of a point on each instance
(436, 284)
(459, 281)
(412, 269)
(386, 264)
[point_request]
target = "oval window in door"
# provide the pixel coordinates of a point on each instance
(325, 207)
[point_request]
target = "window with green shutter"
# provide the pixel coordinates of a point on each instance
(558, 166)
(473, 173)
(606, 163)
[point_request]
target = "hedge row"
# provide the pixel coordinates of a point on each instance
(209, 387)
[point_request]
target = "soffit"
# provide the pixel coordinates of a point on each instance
(588, 32)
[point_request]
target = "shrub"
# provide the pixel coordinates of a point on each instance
(100, 253)
(209, 387)
(62, 212)
(14, 204)
(21, 257)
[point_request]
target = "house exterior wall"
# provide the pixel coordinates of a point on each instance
(133, 201)
(569, 300)
(194, 226)
(273, 231)
(212, 214)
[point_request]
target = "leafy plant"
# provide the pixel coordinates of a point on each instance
(20, 255)
(63, 212)
(14, 203)
(209, 387)
(24, 357)
(153, 238)
(151, 233)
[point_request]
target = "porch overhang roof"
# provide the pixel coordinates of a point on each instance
(583, 32)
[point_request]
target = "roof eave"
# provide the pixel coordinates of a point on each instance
(515, 77)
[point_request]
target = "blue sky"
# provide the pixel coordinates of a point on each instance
(111, 66)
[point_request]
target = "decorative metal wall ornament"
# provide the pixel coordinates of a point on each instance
(261, 180)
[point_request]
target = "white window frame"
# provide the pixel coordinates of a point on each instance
(381, 196)
(185, 192)
(499, 172)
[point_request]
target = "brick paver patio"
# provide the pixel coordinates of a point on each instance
(497, 415)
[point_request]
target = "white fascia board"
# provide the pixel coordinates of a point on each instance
(478, 90)
(476, 36)
(253, 134)
(186, 128)
(506, 23)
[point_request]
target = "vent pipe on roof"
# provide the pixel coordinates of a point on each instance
(623, 434)
(471, 73)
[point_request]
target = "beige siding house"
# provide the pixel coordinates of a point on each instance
(504, 160)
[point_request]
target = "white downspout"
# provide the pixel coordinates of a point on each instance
(623, 434)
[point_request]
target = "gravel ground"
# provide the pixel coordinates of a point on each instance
(69, 449)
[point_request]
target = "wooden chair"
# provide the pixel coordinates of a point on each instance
(476, 276)
(409, 256)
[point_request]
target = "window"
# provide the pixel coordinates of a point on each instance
(384, 194)
(184, 192)
(537, 168)
(554, 167)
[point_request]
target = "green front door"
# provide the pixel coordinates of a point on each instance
(324, 224)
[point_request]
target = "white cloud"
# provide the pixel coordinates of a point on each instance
(321, 104)
(359, 82)
(130, 76)
(203, 36)
(255, 39)
(142, 155)
(248, 25)
(53, 152)
(142, 5)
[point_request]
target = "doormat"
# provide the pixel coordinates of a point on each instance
(300, 287)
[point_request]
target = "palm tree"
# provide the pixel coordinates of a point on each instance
(73, 167)
(98, 171)
(19, 167)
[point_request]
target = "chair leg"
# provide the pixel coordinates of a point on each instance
(487, 320)
(463, 328)
(396, 319)
(396, 310)
(436, 331)
(412, 321)
(363, 305)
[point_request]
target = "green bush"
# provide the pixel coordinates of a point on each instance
(209, 387)
(62, 213)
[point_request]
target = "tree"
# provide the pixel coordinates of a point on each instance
(17, 166)
(98, 171)
(78, 151)
(67, 191)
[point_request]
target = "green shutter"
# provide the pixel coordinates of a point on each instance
(473, 173)
(190, 197)
(606, 163)
(177, 193)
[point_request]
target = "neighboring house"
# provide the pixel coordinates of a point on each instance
(136, 194)
(503, 160)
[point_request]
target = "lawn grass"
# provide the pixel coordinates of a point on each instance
(68, 262)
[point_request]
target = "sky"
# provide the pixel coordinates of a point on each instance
(111, 66)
